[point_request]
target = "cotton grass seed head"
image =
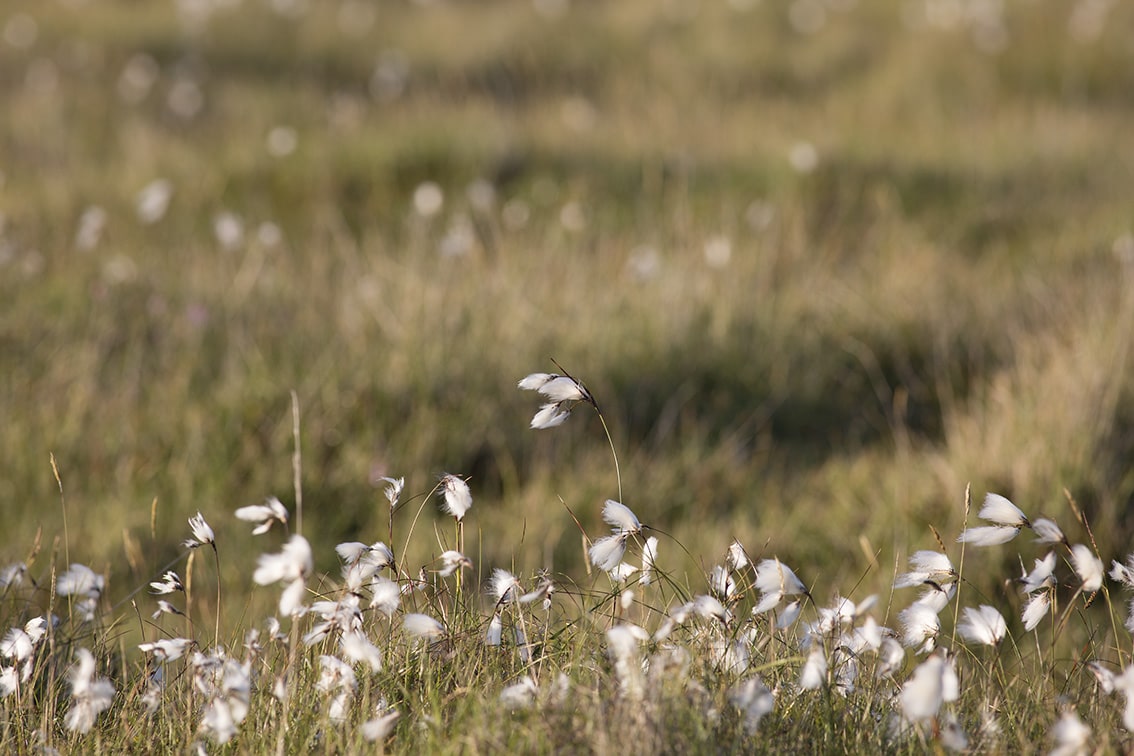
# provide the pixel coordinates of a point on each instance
(1001, 511)
(985, 626)
(272, 510)
(620, 517)
(457, 496)
(1088, 567)
(202, 533)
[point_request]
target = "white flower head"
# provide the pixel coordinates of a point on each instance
(1000, 511)
(649, 557)
(422, 626)
(737, 557)
(202, 533)
(1047, 531)
(292, 565)
(458, 498)
(920, 626)
(1088, 567)
(927, 567)
(80, 580)
(166, 649)
(606, 553)
(933, 683)
(985, 625)
(754, 700)
(1070, 736)
(170, 583)
(620, 517)
(519, 695)
(1036, 609)
(385, 595)
(394, 491)
(505, 586)
(562, 392)
(814, 673)
(272, 510)
(451, 561)
(380, 727)
(90, 696)
(989, 535)
(1042, 576)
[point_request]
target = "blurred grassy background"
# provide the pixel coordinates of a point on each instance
(821, 263)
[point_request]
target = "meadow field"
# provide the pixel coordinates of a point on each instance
(818, 276)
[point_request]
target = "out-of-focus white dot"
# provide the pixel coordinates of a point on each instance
(21, 31)
(644, 262)
(718, 251)
(428, 199)
(137, 78)
(760, 215)
(185, 98)
(391, 73)
(807, 16)
(282, 141)
(515, 214)
(152, 202)
(803, 156)
(119, 269)
(481, 195)
(228, 229)
(459, 239)
(269, 234)
(91, 225)
(571, 217)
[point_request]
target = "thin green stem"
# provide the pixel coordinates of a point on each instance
(613, 452)
(216, 629)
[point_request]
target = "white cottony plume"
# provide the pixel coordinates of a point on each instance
(606, 553)
(985, 625)
(1070, 736)
(458, 498)
(1123, 573)
(721, 583)
(1042, 576)
(620, 517)
(394, 491)
(80, 580)
(1000, 511)
(936, 597)
(737, 557)
(814, 673)
(90, 696)
(649, 557)
(1036, 609)
(789, 614)
(13, 575)
(562, 392)
(622, 643)
(543, 590)
(891, 656)
(504, 586)
(1088, 567)
(753, 700)
(775, 580)
(495, 632)
(920, 626)
(338, 678)
(927, 567)
(519, 695)
(202, 533)
(358, 648)
(451, 561)
(1047, 531)
(380, 727)
(422, 626)
(164, 607)
(272, 510)
(385, 595)
(166, 649)
(292, 565)
(990, 535)
(170, 583)
(933, 683)
(710, 608)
